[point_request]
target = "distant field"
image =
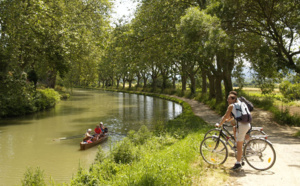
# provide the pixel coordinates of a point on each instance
(276, 90)
(293, 106)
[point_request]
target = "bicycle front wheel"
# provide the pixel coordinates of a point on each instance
(212, 132)
(259, 154)
(213, 150)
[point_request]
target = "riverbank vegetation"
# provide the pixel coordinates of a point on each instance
(169, 155)
(27, 101)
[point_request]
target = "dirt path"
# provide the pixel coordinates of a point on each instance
(286, 170)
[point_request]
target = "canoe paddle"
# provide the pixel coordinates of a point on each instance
(70, 137)
(82, 135)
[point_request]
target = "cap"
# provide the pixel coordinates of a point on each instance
(89, 130)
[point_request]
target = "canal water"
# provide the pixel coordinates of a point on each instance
(33, 140)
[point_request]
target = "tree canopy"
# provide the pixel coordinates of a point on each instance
(202, 44)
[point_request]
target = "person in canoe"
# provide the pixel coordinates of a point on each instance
(88, 137)
(103, 129)
(98, 132)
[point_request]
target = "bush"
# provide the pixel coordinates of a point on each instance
(16, 97)
(100, 156)
(289, 90)
(46, 98)
(32, 177)
(19, 98)
(125, 152)
(140, 137)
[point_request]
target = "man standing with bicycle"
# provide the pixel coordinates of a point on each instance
(233, 111)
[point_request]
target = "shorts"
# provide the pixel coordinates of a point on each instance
(250, 130)
(241, 131)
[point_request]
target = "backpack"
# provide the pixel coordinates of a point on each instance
(242, 112)
(248, 103)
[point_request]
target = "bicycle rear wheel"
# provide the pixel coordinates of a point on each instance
(259, 154)
(213, 150)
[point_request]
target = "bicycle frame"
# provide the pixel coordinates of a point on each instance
(227, 136)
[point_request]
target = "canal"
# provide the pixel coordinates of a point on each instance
(33, 140)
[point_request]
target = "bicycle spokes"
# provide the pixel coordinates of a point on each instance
(259, 154)
(213, 150)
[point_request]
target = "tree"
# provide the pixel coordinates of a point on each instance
(205, 32)
(277, 22)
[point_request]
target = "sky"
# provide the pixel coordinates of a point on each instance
(123, 8)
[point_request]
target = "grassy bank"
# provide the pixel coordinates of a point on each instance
(169, 155)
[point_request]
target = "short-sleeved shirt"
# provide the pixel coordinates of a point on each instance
(87, 134)
(97, 130)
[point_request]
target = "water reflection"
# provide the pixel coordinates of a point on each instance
(137, 110)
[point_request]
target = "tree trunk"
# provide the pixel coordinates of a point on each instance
(164, 85)
(145, 82)
(193, 83)
(228, 66)
(218, 88)
(51, 79)
(183, 83)
(130, 82)
(212, 91)
(112, 81)
(204, 82)
(154, 82)
(174, 82)
(124, 81)
(218, 76)
(118, 83)
(138, 81)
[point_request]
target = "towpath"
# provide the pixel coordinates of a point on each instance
(286, 170)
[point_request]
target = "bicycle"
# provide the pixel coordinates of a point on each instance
(258, 151)
(230, 140)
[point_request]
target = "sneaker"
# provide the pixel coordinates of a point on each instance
(236, 166)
